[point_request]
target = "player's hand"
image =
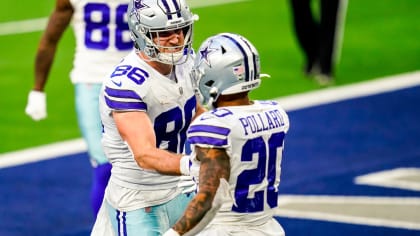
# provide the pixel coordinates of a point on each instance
(189, 165)
(171, 232)
(187, 184)
(37, 105)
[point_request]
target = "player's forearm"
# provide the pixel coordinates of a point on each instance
(160, 160)
(202, 209)
(194, 213)
(43, 62)
(56, 26)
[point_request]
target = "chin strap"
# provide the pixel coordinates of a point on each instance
(170, 58)
(210, 105)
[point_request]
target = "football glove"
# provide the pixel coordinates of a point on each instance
(189, 165)
(37, 105)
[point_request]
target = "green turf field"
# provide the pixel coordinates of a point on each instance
(381, 38)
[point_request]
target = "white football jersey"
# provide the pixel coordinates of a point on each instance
(170, 105)
(253, 137)
(102, 38)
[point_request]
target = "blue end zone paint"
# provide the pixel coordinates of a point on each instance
(327, 147)
(46, 198)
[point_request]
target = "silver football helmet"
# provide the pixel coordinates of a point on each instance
(225, 64)
(148, 19)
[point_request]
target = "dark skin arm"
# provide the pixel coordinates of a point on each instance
(58, 22)
(214, 165)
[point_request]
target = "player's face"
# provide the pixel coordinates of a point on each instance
(169, 41)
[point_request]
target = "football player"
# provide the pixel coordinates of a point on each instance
(146, 105)
(102, 39)
(238, 145)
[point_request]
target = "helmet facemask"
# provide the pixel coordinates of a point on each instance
(151, 23)
(207, 95)
(176, 53)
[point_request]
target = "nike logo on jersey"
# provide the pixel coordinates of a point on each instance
(119, 83)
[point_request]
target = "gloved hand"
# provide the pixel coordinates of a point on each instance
(189, 165)
(37, 105)
(190, 168)
(187, 184)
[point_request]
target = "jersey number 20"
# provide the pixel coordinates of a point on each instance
(266, 170)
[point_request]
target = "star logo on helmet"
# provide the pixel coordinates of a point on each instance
(205, 52)
(138, 4)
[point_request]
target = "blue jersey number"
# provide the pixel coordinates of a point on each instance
(101, 27)
(170, 126)
(265, 170)
(137, 75)
(174, 118)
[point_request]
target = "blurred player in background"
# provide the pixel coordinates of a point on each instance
(238, 145)
(146, 105)
(319, 35)
(102, 39)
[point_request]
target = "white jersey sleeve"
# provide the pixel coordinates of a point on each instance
(102, 38)
(253, 137)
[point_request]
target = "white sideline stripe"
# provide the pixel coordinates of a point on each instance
(292, 102)
(49, 151)
(338, 200)
(336, 94)
(331, 217)
(34, 25)
(394, 178)
(284, 211)
(24, 26)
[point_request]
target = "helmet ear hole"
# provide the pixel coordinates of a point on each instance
(209, 83)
